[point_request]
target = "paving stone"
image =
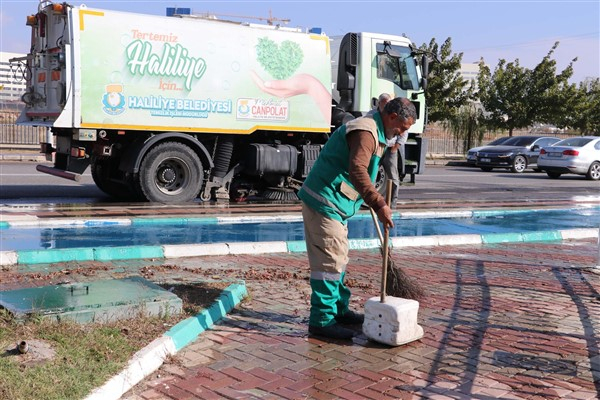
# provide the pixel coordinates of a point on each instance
(510, 321)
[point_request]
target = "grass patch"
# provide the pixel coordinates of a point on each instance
(84, 356)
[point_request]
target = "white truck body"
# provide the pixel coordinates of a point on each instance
(113, 86)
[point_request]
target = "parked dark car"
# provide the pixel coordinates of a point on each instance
(472, 153)
(516, 154)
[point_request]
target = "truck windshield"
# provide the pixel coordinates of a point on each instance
(400, 70)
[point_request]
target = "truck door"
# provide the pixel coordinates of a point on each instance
(396, 75)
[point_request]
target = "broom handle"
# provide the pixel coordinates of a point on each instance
(386, 243)
(384, 240)
(377, 227)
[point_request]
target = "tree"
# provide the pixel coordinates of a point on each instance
(583, 115)
(550, 95)
(503, 95)
(466, 125)
(446, 91)
(517, 97)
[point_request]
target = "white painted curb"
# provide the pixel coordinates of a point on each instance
(8, 257)
(142, 364)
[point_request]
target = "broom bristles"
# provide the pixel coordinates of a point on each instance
(399, 284)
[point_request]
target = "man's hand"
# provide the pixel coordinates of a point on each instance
(385, 216)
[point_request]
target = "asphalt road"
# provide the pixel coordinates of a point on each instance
(21, 183)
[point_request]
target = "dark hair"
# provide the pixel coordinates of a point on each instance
(401, 106)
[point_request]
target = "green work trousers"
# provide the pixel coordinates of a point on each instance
(327, 249)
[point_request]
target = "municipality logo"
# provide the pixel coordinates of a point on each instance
(113, 100)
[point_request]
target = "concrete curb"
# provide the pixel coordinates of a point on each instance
(31, 257)
(47, 256)
(151, 357)
(8, 221)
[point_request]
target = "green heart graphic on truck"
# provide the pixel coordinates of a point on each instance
(281, 61)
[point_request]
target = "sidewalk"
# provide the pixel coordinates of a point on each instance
(509, 321)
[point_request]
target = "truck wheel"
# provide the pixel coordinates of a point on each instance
(171, 172)
(382, 178)
(101, 175)
(381, 181)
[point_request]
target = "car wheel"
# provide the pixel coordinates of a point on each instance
(519, 164)
(486, 169)
(553, 175)
(594, 171)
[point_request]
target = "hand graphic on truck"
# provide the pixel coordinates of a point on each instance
(298, 84)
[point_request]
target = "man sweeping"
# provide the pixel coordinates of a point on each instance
(338, 184)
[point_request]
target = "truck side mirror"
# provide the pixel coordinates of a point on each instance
(424, 71)
(425, 66)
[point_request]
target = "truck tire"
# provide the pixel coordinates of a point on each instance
(100, 170)
(381, 181)
(170, 172)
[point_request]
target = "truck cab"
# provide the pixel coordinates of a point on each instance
(364, 65)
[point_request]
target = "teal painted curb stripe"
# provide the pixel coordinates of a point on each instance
(174, 221)
(128, 253)
(541, 236)
(296, 246)
(188, 330)
(204, 220)
(54, 255)
(158, 221)
(501, 237)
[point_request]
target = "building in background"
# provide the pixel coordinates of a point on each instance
(469, 72)
(12, 82)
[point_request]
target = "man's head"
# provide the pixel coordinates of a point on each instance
(384, 98)
(398, 115)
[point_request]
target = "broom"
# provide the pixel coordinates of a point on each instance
(394, 280)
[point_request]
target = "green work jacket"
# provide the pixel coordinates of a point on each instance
(328, 189)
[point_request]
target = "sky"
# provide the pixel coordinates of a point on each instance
(509, 30)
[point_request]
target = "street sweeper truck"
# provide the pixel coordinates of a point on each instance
(172, 108)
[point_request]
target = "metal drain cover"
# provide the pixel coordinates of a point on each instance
(101, 301)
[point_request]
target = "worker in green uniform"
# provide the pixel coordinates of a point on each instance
(338, 184)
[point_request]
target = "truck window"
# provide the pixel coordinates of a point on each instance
(402, 71)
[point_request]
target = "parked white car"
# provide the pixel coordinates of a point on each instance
(577, 155)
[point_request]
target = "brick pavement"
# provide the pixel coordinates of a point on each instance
(509, 321)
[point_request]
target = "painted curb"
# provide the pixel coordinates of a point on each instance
(48, 256)
(188, 330)
(8, 257)
(128, 253)
(151, 357)
(54, 255)
(23, 221)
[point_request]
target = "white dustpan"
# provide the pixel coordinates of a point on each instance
(390, 320)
